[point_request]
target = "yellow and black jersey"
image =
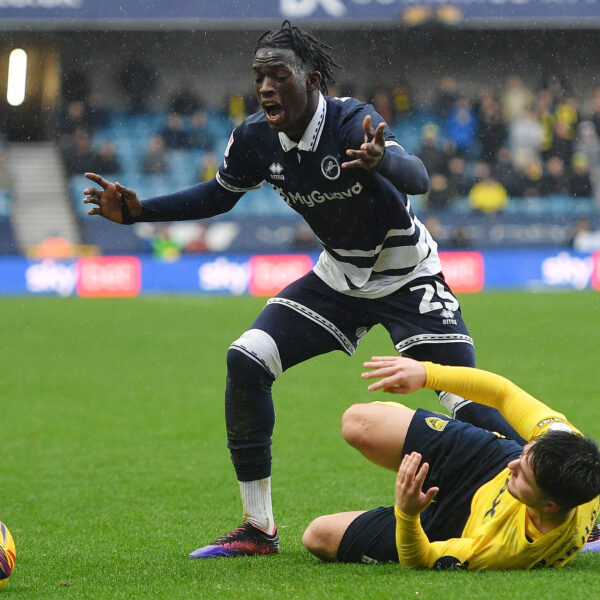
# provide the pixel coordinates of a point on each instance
(499, 533)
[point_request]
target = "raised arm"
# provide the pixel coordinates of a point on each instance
(121, 205)
(389, 159)
(415, 551)
(527, 415)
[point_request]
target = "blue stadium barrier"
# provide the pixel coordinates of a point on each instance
(111, 238)
(6, 201)
(8, 244)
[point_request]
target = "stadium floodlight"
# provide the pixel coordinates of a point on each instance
(17, 77)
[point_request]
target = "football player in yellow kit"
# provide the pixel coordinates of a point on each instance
(466, 498)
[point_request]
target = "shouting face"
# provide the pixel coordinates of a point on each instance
(287, 94)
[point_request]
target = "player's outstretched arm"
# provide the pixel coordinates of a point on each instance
(109, 198)
(396, 374)
(400, 375)
(414, 548)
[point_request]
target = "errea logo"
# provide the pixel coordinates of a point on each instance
(276, 171)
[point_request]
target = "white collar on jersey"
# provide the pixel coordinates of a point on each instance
(312, 134)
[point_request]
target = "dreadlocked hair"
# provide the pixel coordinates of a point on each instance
(308, 49)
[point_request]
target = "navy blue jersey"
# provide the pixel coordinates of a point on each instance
(373, 242)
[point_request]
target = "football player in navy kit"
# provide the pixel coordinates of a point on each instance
(335, 162)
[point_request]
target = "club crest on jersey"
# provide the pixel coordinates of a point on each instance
(330, 167)
(276, 171)
(436, 424)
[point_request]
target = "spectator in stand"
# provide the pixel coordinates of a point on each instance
(544, 111)
(554, 84)
(383, 105)
(461, 240)
(202, 138)
(237, 110)
(588, 144)
(155, 161)
(137, 80)
(459, 183)
(438, 197)
(401, 101)
(74, 117)
(98, 115)
(525, 137)
(185, 103)
(108, 163)
(461, 126)
(174, 134)
(491, 130)
(446, 97)
(349, 90)
(515, 99)
(533, 175)
(506, 173)
(430, 152)
(197, 244)
(488, 195)
(435, 228)
(567, 112)
(208, 166)
(595, 110)
(485, 94)
(556, 179)
(562, 142)
(80, 154)
(584, 237)
(581, 183)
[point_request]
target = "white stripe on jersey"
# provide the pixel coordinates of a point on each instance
(422, 258)
(377, 250)
(232, 188)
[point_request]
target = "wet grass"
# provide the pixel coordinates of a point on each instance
(115, 466)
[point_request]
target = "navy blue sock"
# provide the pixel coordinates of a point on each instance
(249, 416)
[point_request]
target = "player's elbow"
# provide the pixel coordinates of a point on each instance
(420, 181)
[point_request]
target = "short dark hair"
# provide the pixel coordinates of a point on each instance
(308, 49)
(566, 466)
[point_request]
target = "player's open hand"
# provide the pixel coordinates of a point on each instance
(410, 498)
(397, 374)
(108, 199)
(371, 151)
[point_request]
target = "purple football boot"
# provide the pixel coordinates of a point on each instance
(246, 540)
(593, 543)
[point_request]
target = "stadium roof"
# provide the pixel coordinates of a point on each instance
(250, 14)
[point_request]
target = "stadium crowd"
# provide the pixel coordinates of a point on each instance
(485, 152)
(517, 141)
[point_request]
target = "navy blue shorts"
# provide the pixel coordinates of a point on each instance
(461, 459)
(424, 311)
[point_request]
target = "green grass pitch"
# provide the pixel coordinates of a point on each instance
(114, 465)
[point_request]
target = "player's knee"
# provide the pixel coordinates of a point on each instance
(254, 349)
(357, 421)
(320, 540)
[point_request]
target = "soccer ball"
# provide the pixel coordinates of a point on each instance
(8, 554)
